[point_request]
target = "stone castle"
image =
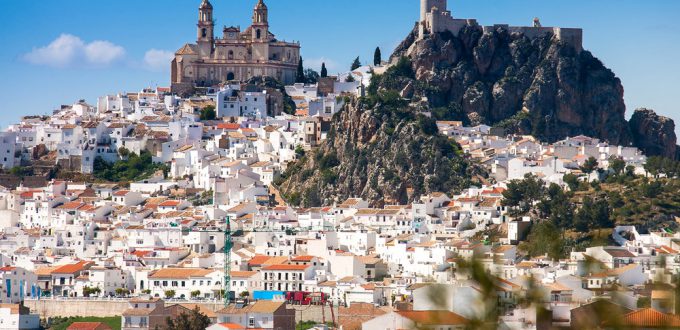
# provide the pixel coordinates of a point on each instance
(237, 56)
(434, 18)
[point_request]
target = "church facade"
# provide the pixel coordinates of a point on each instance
(236, 56)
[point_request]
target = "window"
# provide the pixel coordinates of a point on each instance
(251, 322)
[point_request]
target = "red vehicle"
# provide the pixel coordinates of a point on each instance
(306, 298)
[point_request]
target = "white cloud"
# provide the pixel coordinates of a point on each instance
(158, 60)
(69, 50)
(103, 52)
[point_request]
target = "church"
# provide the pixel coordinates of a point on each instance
(236, 56)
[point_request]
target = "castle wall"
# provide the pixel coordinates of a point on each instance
(440, 20)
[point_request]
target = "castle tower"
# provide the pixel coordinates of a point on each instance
(427, 5)
(206, 28)
(260, 22)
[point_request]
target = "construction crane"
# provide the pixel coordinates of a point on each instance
(229, 244)
(226, 250)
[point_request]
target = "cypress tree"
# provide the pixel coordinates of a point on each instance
(324, 72)
(300, 77)
(356, 64)
(377, 57)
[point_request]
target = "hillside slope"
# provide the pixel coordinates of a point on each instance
(540, 87)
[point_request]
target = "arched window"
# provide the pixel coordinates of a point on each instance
(230, 76)
(259, 34)
(231, 55)
(204, 32)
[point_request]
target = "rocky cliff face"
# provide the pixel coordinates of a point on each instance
(381, 154)
(653, 133)
(386, 149)
(540, 87)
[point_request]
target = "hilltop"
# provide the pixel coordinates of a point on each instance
(539, 86)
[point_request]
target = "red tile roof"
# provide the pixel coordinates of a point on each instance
(303, 258)
(228, 126)
(171, 203)
(71, 268)
(88, 326)
(434, 317)
(650, 318)
(258, 260)
(286, 267)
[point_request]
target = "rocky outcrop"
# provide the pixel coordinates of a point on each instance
(653, 133)
(381, 155)
(537, 86)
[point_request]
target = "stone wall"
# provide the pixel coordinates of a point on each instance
(440, 20)
(107, 308)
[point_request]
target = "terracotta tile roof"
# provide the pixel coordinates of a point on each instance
(121, 193)
(650, 318)
(260, 306)
(286, 267)
(258, 260)
(44, 271)
(170, 203)
(138, 311)
(181, 273)
(302, 258)
(434, 317)
(88, 326)
(71, 268)
(228, 126)
(72, 205)
(242, 274)
(619, 253)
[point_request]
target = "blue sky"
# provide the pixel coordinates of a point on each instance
(102, 47)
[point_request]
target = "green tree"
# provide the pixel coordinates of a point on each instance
(350, 78)
(572, 181)
(123, 152)
(311, 76)
(194, 320)
(589, 165)
(300, 76)
(594, 214)
(356, 64)
(544, 238)
(299, 151)
(583, 218)
(617, 164)
(170, 294)
(195, 293)
(91, 291)
(122, 292)
(521, 194)
(208, 113)
(557, 207)
(377, 57)
(324, 71)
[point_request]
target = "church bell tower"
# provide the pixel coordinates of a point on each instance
(260, 22)
(206, 28)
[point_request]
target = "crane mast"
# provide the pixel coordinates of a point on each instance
(228, 244)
